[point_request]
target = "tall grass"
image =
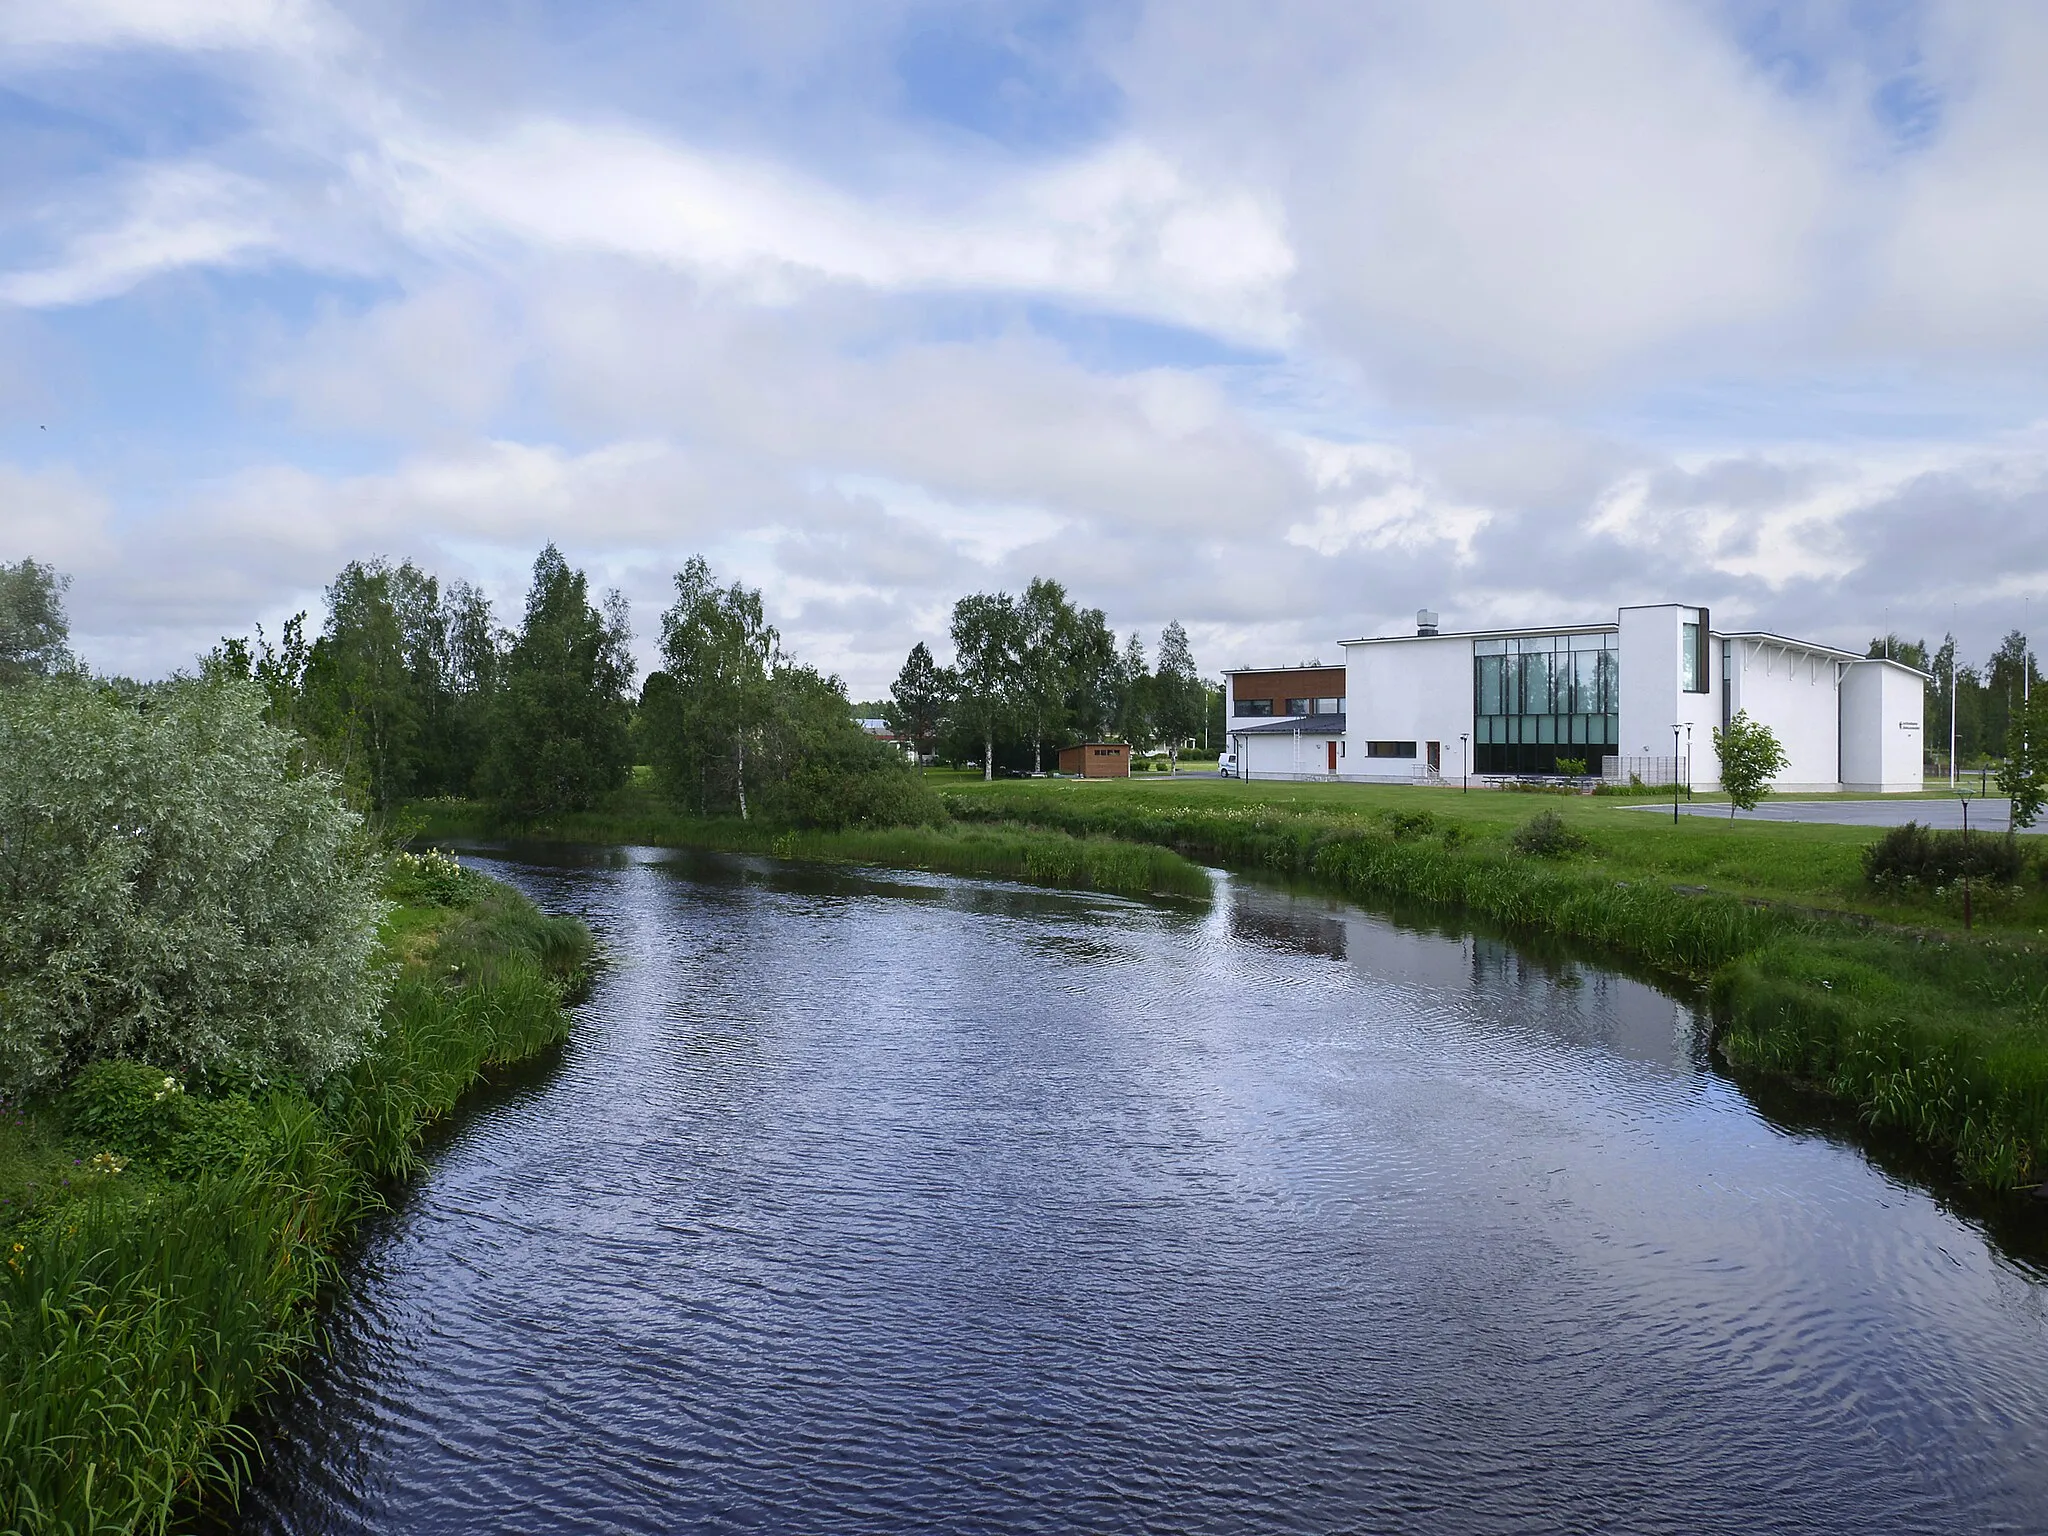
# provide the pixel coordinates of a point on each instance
(138, 1319)
(1010, 853)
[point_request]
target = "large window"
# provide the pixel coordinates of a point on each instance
(1255, 706)
(1539, 698)
(1692, 658)
(1301, 706)
(1390, 749)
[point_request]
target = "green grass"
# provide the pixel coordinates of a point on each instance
(143, 1309)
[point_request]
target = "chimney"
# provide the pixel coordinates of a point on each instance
(1425, 621)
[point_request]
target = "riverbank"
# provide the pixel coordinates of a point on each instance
(987, 849)
(1883, 1002)
(165, 1243)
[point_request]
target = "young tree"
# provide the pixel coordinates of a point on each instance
(34, 633)
(1176, 692)
(1133, 716)
(1046, 625)
(718, 653)
(986, 634)
(361, 709)
(2023, 776)
(1750, 758)
(917, 699)
(559, 733)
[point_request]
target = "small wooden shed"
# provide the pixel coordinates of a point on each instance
(1097, 760)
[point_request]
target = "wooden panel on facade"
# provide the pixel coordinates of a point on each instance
(1287, 683)
(1097, 760)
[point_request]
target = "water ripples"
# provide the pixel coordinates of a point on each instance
(896, 1204)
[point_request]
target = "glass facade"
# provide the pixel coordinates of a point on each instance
(1537, 698)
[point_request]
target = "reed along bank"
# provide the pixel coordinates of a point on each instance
(166, 1242)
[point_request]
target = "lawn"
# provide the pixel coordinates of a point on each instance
(1802, 865)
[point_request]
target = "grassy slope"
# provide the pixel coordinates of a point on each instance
(637, 816)
(142, 1310)
(1885, 1003)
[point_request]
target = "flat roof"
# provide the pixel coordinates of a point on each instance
(1298, 666)
(1490, 634)
(1803, 645)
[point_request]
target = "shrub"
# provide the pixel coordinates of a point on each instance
(432, 879)
(140, 1111)
(1547, 835)
(1573, 766)
(855, 781)
(1916, 856)
(175, 891)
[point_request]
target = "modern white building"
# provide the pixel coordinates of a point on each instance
(1639, 696)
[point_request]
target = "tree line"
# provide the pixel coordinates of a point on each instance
(1034, 673)
(1986, 703)
(414, 688)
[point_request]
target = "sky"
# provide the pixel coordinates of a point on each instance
(1281, 319)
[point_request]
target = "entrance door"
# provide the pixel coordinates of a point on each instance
(1333, 755)
(1436, 757)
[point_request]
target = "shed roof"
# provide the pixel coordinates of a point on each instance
(1308, 725)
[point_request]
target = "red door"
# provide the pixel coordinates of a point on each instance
(1333, 756)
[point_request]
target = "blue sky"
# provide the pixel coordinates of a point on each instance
(1284, 320)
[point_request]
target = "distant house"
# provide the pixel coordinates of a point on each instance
(879, 729)
(1097, 760)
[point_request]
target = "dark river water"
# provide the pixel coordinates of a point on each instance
(880, 1204)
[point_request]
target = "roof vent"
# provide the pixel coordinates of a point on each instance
(1425, 621)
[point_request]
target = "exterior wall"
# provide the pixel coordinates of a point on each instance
(1291, 755)
(1097, 760)
(1797, 693)
(1417, 690)
(1882, 705)
(1278, 685)
(1653, 698)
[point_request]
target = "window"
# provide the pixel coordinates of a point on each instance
(1330, 706)
(1390, 749)
(1255, 706)
(1536, 698)
(1692, 654)
(1301, 706)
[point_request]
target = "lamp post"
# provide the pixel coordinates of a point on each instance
(1964, 796)
(1465, 758)
(1688, 759)
(1674, 773)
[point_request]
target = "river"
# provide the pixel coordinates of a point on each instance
(883, 1203)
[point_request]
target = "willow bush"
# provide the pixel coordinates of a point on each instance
(175, 888)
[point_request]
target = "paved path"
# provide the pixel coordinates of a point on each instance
(1986, 815)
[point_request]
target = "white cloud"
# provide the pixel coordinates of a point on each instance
(185, 24)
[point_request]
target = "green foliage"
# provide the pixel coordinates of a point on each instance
(34, 633)
(987, 637)
(1177, 694)
(432, 879)
(2023, 776)
(559, 724)
(1750, 758)
(1917, 856)
(1547, 835)
(918, 699)
(142, 1315)
(718, 652)
(170, 891)
(1573, 767)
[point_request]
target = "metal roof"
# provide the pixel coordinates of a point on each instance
(1307, 725)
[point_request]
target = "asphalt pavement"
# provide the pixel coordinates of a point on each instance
(1986, 815)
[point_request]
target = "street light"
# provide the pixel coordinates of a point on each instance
(1465, 757)
(1963, 795)
(1688, 759)
(1674, 773)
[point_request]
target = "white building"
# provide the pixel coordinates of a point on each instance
(1640, 696)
